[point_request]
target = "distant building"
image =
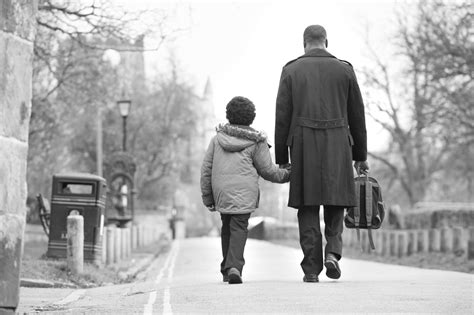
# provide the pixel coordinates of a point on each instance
(198, 143)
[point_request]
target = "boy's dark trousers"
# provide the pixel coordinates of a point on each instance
(233, 237)
(311, 238)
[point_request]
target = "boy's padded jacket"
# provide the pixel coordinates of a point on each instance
(235, 159)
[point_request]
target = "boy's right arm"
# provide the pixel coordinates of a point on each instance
(206, 176)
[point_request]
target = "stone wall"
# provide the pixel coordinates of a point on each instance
(17, 32)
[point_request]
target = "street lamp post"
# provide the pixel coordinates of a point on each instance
(124, 108)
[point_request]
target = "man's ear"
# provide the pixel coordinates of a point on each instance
(304, 44)
(326, 43)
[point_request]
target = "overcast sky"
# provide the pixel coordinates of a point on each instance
(243, 45)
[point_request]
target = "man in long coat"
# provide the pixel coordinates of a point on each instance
(320, 118)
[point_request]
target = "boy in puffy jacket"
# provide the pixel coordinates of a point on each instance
(237, 156)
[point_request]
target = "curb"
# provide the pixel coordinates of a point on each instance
(143, 264)
(40, 283)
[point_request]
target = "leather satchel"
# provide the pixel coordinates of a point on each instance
(370, 210)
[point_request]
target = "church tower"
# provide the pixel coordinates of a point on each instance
(208, 118)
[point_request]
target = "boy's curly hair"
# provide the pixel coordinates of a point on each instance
(240, 111)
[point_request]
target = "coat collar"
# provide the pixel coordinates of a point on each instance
(317, 52)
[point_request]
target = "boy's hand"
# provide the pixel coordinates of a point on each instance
(211, 208)
(286, 166)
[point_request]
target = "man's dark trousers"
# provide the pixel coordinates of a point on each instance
(233, 237)
(311, 239)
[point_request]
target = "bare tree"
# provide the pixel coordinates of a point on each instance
(436, 95)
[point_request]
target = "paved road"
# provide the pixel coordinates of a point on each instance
(187, 280)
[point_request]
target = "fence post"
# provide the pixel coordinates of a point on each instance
(129, 241)
(459, 241)
(385, 248)
(412, 242)
(435, 240)
(470, 244)
(446, 240)
(402, 243)
(393, 241)
(423, 241)
(75, 244)
(124, 242)
(378, 242)
(118, 245)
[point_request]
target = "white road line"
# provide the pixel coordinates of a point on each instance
(74, 296)
(166, 302)
(149, 306)
(166, 294)
(168, 266)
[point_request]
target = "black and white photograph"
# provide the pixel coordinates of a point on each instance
(236, 157)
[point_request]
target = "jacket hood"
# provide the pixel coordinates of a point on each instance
(234, 138)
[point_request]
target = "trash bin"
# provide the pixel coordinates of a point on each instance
(85, 194)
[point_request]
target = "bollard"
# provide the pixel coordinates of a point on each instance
(180, 229)
(75, 244)
(118, 245)
(446, 240)
(470, 244)
(141, 234)
(459, 241)
(110, 240)
(402, 244)
(412, 247)
(423, 241)
(435, 240)
(134, 237)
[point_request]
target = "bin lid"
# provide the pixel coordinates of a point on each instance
(73, 176)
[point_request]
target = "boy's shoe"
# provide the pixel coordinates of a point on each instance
(234, 276)
(310, 277)
(225, 278)
(332, 267)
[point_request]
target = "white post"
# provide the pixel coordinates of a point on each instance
(75, 244)
(110, 240)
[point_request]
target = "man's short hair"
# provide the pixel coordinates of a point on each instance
(240, 111)
(315, 34)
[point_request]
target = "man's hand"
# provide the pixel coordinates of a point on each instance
(211, 208)
(361, 167)
(286, 166)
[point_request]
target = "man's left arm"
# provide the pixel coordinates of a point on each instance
(284, 111)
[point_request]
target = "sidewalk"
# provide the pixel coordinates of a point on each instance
(187, 280)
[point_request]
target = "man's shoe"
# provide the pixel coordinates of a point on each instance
(332, 266)
(234, 276)
(310, 277)
(225, 278)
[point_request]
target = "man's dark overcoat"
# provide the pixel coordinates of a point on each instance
(320, 117)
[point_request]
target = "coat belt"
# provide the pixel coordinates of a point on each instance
(321, 124)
